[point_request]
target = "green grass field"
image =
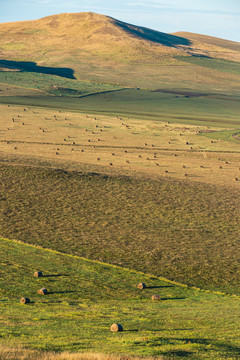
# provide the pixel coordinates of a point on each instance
(184, 231)
(144, 105)
(113, 174)
(52, 84)
(86, 297)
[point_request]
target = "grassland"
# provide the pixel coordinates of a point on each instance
(100, 49)
(86, 297)
(49, 84)
(180, 230)
(202, 110)
(134, 166)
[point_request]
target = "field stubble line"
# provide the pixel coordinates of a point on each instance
(121, 147)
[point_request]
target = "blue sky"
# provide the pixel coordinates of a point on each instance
(219, 18)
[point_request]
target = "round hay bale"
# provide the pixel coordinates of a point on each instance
(24, 301)
(141, 286)
(156, 298)
(42, 291)
(116, 327)
(38, 274)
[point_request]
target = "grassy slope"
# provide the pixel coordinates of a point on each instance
(186, 232)
(86, 297)
(227, 44)
(102, 49)
(50, 84)
(204, 110)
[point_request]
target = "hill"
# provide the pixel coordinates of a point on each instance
(211, 40)
(86, 297)
(95, 47)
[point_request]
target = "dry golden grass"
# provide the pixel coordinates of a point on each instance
(69, 38)
(134, 146)
(7, 353)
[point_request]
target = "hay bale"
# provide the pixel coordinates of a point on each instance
(141, 286)
(24, 301)
(156, 298)
(38, 274)
(42, 291)
(116, 327)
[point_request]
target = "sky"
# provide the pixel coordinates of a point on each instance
(220, 18)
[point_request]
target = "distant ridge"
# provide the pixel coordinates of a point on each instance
(227, 44)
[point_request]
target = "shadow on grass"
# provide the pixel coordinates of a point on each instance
(222, 347)
(55, 275)
(173, 298)
(61, 292)
(153, 35)
(33, 67)
(159, 287)
(178, 353)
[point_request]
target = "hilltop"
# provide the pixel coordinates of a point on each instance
(100, 48)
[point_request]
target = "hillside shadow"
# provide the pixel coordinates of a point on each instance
(153, 35)
(28, 66)
(221, 347)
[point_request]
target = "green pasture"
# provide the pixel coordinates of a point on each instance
(184, 231)
(52, 84)
(144, 105)
(231, 67)
(226, 135)
(86, 297)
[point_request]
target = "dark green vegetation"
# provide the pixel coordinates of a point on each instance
(50, 84)
(182, 231)
(86, 297)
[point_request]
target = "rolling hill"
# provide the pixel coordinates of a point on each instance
(95, 47)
